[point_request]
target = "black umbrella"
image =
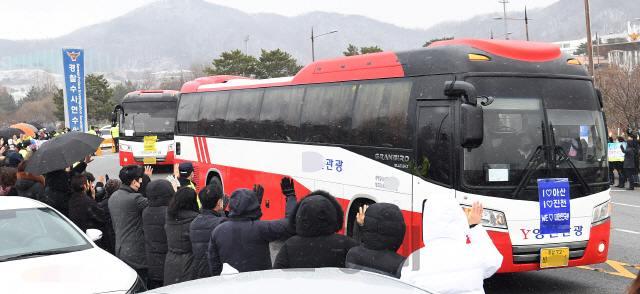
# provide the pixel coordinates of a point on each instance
(5, 127)
(36, 124)
(62, 152)
(10, 132)
(49, 128)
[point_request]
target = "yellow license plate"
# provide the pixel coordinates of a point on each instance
(554, 257)
(149, 160)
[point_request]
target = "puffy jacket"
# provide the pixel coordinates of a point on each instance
(318, 217)
(445, 230)
(179, 266)
(30, 186)
(126, 206)
(159, 193)
(243, 241)
(383, 234)
(200, 233)
(57, 190)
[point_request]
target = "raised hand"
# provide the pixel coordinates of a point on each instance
(360, 215)
(287, 187)
(148, 170)
(259, 191)
(475, 216)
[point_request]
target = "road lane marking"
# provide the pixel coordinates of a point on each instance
(619, 268)
(626, 231)
(626, 204)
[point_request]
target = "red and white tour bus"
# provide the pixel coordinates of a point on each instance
(478, 120)
(146, 120)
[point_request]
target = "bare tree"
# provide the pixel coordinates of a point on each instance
(147, 82)
(197, 68)
(621, 94)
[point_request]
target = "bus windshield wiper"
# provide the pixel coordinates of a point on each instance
(536, 160)
(563, 157)
(37, 253)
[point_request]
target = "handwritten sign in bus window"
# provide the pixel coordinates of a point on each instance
(150, 143)
(614, 151)
(555, 212)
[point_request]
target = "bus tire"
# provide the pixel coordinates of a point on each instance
(351, 218)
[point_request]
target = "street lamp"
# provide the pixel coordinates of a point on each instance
(313, 53)
(505, 35)
(246, 44)
(526, 20)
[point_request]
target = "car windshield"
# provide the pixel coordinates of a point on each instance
(26, 231)
(149, 117)
(527, 114)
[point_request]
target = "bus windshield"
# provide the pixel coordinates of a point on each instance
(149, 117)
(528, 115)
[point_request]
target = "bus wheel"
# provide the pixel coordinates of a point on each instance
(352, 230)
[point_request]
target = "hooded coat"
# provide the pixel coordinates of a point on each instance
(159, 193)
(58, 191)
(318, 217)
(383, 234)
(629, 155)
(179, 266)
(243, 241)
(447, 263)
(30, 186)
(200, 233)
(126, 206)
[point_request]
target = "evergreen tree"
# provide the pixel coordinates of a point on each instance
(58, 101)
(276, 63)
(351, 50)
(234, 63)
(370, 49)
(99, 104)
(436, 40)
(7, 103)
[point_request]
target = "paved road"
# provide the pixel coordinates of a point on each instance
(610, 277)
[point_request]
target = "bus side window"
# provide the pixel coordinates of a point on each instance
(326, 113)
(188, 110)
(280, 114)
(243, 113)
(213, 113)
(380, 114)
(434, 144)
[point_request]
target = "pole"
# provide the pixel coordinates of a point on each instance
(589, 42)
(246, 44)
(492, 34)
(526, 21)
(313, 53)
(504, 6)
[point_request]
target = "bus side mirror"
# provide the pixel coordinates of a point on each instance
(461, 89)
(472, 126)
(114, 119)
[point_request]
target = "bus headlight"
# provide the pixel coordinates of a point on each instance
(125, 147)
(490, 218)
(170, 147)
(601, 213)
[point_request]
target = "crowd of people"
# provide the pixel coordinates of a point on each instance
(629, 168)
(170, 233)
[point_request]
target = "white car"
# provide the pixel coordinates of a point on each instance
(41, 251)
(106, 134)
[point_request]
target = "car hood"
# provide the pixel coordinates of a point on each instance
(87, 271)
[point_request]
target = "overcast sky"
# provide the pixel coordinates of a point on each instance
(33, 19)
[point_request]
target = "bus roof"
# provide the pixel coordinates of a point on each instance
(458, 56)
(152, 95)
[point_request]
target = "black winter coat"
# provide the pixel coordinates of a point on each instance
(200, 233)
(383, 234)
(85, 213)
(58, 191)
(30, 186)
(179, 266)
(108, 235)
(243, 241)
(629, 156)
(159, 193)
(317, 218)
